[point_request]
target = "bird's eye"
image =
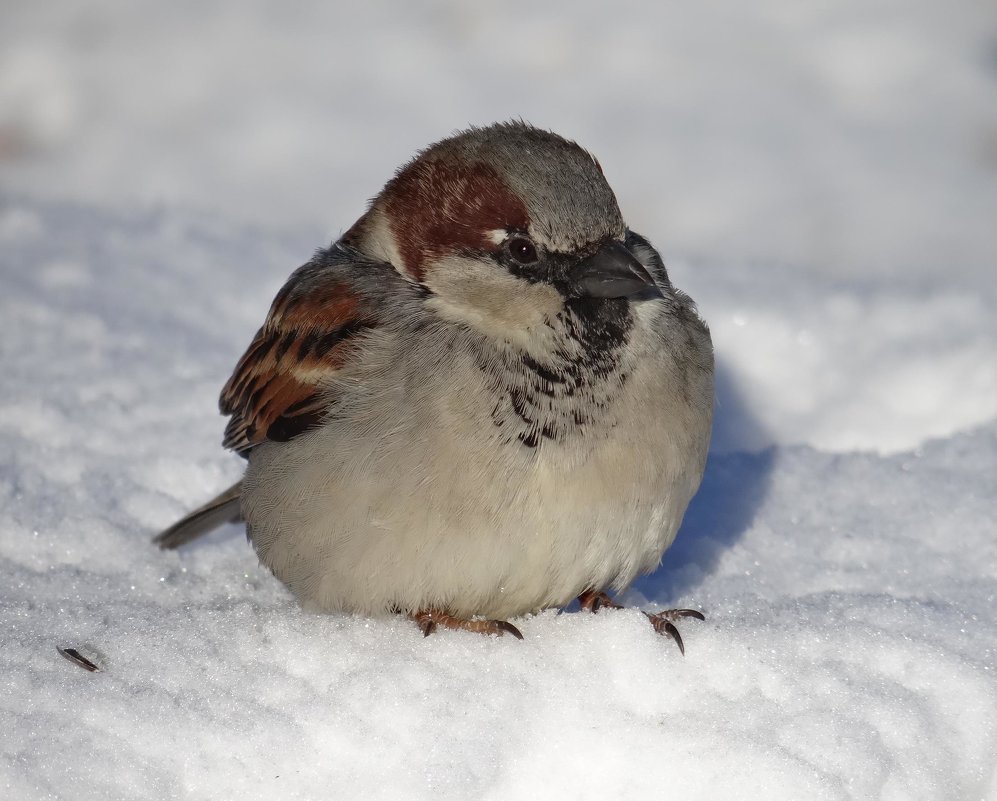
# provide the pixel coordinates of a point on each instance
(522, 250)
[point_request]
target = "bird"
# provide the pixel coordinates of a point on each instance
(484, 400)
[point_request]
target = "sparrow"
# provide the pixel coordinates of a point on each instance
(484, 400)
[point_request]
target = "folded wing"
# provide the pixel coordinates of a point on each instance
(281, 385)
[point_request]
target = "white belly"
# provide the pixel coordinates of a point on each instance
(389, 510)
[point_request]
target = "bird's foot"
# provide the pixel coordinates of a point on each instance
(429, 619)
(663, 622)
(592, 601)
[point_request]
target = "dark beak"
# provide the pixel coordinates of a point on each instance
(613, 272)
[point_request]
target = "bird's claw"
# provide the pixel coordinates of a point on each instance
(664, 623)
(428, 625)
(594, 601)
(429, 619)
(506, 626)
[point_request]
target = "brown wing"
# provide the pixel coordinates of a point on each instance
(279, 387)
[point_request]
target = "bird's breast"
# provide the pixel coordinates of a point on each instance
(446, 492)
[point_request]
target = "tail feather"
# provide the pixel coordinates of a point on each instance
(216, 512)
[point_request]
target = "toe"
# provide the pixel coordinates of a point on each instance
(504, 626)
(664, 623)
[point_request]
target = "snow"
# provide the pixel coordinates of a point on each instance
(820, 178)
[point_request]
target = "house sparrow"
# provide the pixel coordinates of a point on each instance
(486, 399)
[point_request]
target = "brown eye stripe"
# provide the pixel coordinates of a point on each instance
(443, 206)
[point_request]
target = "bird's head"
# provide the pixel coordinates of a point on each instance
(504, 226)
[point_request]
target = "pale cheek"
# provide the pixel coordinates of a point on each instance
(380, 243)
(490, 300)
(647, 313)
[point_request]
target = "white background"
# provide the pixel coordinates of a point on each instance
(821, 178)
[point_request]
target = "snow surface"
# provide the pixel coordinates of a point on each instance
(820, 178)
